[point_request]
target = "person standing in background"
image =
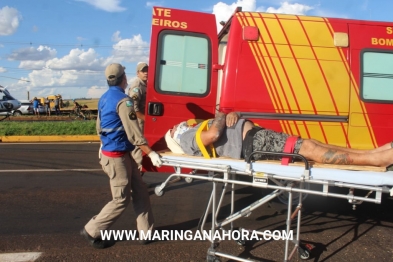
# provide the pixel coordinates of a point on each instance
(35, 106)
(47, 106)
(137, 92)
(57, 105)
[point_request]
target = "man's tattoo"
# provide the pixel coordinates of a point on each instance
(219, 122)
(332, 157)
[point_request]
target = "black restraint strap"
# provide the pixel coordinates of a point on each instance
(248, 140)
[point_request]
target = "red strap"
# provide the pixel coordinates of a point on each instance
(288, 148)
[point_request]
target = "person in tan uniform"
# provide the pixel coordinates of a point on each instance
(120, 133)
(137, 92)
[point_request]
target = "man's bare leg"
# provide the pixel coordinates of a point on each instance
(341, 156)
(353, 150)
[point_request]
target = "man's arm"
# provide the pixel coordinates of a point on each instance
(140, 115)
(135, 93)
(98, 124)
(217, 128)
(99, 130)
(129, 120)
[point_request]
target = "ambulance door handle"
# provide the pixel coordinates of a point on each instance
(155, 109)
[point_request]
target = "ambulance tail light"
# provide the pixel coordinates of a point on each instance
(341, 39)
(250, 33)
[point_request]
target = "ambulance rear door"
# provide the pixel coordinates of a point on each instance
(182, 82)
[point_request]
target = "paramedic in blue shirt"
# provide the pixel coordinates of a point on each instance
(237, 138)
(137, 92)
(119, 131)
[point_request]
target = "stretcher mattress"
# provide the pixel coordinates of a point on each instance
(360, 177)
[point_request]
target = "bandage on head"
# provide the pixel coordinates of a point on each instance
(180, 130)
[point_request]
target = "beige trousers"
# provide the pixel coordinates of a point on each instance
(126, 184)
(137, 152)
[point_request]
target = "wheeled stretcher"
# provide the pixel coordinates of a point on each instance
(291, 180)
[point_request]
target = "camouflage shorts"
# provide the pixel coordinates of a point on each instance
(271, 141)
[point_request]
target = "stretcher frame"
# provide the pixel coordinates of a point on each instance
(223, 171)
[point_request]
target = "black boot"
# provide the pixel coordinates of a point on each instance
(96, 242)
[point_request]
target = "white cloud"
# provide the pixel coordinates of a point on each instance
(116, 36)
(9, 20)
(80, 39)
(80, 73)
(68, 83)
(42, 78)
(287, 8)
(131, 50)
(71, 75)
(2, 69)
(106, 5)
(32, 65)
(33, 54)
(224, 11)
(77, 59)
(96, 91)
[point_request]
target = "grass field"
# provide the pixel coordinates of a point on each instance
(40, 128)
(43, 128)
(90, 103)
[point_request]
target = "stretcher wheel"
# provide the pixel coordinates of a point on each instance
(188, 179)
(303, 253)
(210, 258)
(283, 198)
(240, 242)
(158, 191)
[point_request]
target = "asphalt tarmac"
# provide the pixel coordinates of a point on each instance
(48, 191)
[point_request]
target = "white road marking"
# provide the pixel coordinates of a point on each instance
(49, 170)
(20, 257)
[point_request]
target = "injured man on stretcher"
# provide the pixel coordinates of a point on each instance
(238, 138)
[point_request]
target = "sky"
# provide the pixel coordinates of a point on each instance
(63, 46)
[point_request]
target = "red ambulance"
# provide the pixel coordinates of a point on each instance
(323, 78)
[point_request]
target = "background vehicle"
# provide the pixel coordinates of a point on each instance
(7, 102)
(52, 99)
(25, 109)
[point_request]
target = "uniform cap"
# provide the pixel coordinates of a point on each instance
(114, 71)
(140, 66)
